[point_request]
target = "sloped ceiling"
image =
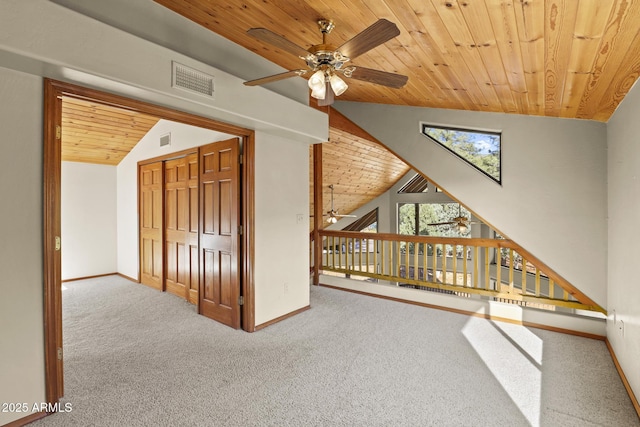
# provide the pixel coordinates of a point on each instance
(101, 134)
(557, 58)
(359, 170)
(554, 58)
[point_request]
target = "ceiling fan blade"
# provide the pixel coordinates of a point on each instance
(275, 77)
(443, 223)
(278, 41)
(376, 34)
(383, 78)
(346, 216)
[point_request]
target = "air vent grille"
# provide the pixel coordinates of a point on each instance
(165, 140)
(192, 80)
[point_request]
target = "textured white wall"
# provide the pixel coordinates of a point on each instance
(21, 289)
(88, 220)
(553, 196)
(182, 137)
(281, 194)
(623, 133)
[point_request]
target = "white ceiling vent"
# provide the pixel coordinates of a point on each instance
(187, 78)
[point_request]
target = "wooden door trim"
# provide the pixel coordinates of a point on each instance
(247, 171)
(54, 91)
(52, 168)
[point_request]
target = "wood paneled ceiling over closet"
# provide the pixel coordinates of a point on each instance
(556, 58)
(97, 133)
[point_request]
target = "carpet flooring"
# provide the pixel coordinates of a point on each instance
(138, 357)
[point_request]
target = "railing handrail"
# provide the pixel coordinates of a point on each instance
(478, 242)
(460, 241)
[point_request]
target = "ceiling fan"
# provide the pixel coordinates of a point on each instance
(333, 213)
(461, 221)
(326, 61)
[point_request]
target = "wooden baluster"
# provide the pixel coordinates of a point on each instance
(398, 259)
(434, 262)
(406, 260)
(333, 251)
(475, 267)
(455, 265)
(375, 255)
(464, 265)
(425, 263)
(390, 260)
(367, 254)
(383, 243)
(498, 269)
(416, 247)
(524, 276)
(359, 254)
(487, 278)
(353, 255)
(510, 271)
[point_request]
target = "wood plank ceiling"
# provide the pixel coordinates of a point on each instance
(359, 170)
(571, 58)
(557, 58)
(101, 134)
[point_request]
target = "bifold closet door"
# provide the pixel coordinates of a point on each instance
(151, 224)
(219, 231)
(181, 227)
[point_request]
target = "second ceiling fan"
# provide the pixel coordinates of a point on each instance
(326, 61)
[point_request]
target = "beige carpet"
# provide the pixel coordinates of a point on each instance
(138, 357)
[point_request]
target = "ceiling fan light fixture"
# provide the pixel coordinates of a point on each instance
(317, 81)
(319, 92)
(337, 84)
(332, 219)
(462, 227)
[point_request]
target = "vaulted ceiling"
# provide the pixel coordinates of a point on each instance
(558, 58)
(98, 133)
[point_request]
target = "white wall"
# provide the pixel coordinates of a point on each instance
(623, 134)
(21, 291)
(46, 40)
(553, 196)
(88, 220)
(281, 195)
(182, 137)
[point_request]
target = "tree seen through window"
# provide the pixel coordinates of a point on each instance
(478, 148)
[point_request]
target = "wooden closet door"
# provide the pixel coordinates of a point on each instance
(193, 228)
(151, 225)
(219, 242)
(176, 217)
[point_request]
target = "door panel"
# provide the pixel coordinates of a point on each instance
(192, 228)
(219, 242)
(151, 225)
(176, 211)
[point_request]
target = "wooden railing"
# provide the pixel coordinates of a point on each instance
(496, 268)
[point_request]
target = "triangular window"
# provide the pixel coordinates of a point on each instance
(417, 184)
(481, 149)
(367, 223)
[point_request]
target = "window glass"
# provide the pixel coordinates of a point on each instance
(478, 148)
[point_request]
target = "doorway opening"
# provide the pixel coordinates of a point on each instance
(54, 93)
